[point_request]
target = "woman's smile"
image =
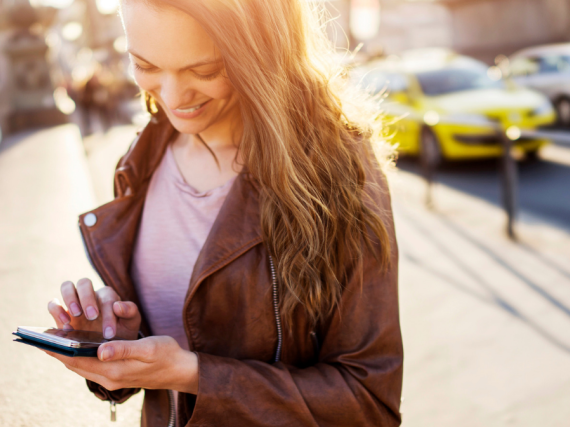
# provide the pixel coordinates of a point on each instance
(191, 112)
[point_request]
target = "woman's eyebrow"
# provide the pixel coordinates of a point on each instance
(187, 67)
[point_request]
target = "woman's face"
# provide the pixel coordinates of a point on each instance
(179, 65)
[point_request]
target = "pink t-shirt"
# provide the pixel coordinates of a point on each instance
(175, 223)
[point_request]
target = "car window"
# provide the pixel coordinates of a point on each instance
(376, 81)
(554, 64)
(529, 66)
(521, 67)
(449, 80)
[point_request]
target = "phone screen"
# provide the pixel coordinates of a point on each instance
(69, 338)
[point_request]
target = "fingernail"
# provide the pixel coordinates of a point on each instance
(107, 353)
(91, 313)
(64, 318)
(75, 310)
(108, 332)
(119, 307)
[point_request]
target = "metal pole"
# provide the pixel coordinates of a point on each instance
(509, 182)
(428, 172)
(427, 160)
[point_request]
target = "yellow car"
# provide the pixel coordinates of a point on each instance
(453, 106)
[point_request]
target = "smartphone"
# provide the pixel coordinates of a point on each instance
(70, 343)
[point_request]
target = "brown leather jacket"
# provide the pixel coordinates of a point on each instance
(348, 373)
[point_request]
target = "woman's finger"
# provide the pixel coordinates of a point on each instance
(129, 314)
(83, 366)
(88, 298)
(70, 298)
(59, 314)
(107, 297)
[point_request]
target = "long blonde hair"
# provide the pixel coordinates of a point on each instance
(298, 143)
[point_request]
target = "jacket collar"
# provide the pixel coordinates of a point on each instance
(237, 228)
(136, 167)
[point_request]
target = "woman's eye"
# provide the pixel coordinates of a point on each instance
(142, 69)
(210, 76)
(207, 76)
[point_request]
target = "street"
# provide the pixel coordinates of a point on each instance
(543, 191)
(485, 320)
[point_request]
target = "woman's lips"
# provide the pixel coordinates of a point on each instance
(192, 114)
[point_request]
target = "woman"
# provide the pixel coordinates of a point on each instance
(250, 245)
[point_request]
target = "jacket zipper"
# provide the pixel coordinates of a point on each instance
(113, 410)
(172, 415)
(276, 310)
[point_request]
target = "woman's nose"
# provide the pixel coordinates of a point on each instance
(175, 93)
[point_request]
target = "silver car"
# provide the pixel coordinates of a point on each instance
(546, 69)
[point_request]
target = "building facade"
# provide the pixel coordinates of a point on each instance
(487, 28)
(480, 28)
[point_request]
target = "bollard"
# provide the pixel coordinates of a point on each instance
(507, 168)
(428, 163)
(509, 180)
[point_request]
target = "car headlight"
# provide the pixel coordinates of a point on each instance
(545, 109)
(469, 119)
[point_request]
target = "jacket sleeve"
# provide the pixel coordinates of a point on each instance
(356, 382)
(117, 396)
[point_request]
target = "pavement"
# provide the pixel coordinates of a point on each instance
(44, 185)
(485, 320)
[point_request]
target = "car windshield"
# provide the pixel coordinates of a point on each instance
(450, 80)
(391, 82)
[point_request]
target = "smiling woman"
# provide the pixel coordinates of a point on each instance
(179, 65)
(250, 246)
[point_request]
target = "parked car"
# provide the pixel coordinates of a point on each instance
(453, 106)
(546, 69)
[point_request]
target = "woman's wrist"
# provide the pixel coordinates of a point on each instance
(185, 372)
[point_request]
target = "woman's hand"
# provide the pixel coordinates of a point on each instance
(151, 363)
(101, 311)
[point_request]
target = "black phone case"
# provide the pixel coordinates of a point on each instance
(55, 348)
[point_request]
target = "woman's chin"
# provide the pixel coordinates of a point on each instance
(189, 126)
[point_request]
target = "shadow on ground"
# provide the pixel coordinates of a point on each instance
(544, 186)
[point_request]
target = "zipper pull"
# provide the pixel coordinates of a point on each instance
(113, 410)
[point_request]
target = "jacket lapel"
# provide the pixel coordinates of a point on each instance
(237, 229)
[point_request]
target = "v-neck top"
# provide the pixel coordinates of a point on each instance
(176, 221)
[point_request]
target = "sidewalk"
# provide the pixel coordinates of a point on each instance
(44, 185)
(486, 322)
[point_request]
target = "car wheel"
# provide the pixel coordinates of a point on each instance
(430, 149)
(563, 111)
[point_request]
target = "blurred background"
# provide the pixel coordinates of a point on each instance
(475, 96)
